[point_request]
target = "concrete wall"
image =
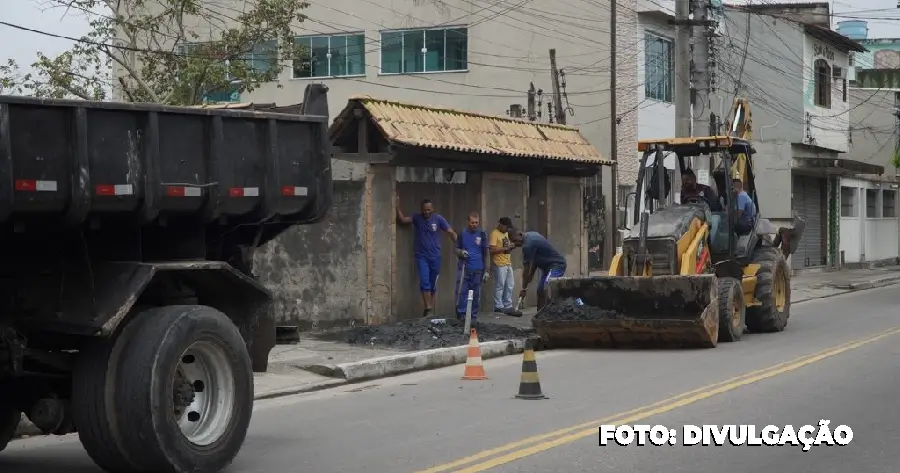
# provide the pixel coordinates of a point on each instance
(771, 78)
(827, 126)
(874, 127)
(870, 228)
(772, 163)
(318, 272)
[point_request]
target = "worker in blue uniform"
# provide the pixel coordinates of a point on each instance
(473, 251)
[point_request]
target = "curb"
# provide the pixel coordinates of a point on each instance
(856, 287)
(873, 284)
(394, 365)
(306, 388)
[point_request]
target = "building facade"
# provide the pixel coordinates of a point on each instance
(869, 225)
(474, 55)
(789, 65)
(793, 71)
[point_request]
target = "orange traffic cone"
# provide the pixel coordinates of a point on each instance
(474, 365)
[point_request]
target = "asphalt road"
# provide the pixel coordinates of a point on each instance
(434, 422)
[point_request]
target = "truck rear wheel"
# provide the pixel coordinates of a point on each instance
(185, 392)
(93, 406)
(9, 422)
(773, 290)
(732, 310)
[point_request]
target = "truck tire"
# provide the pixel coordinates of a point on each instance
(186, 391)
(773, 290)
(732, 310)
(9, 422)
(94, 413)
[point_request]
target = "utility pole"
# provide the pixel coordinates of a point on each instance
(701, 78)
(557, 96)
(682, 68)
(612, 240)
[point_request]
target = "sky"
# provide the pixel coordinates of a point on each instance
(22, 45)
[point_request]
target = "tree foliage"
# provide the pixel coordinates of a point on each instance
(172, 52)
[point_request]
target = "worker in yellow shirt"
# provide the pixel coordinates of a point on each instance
(504, 282)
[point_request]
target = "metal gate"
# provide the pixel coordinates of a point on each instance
(809, 201)
(594, 220)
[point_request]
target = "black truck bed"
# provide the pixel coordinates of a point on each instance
(65, 163)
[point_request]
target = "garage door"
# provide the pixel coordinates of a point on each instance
(809, 202)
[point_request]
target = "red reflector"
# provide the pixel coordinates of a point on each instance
(175, 191)
(105, 190)
(236, 192)
(26, 185)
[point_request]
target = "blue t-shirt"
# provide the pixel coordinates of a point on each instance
(538, 251)
(745, 203)
(476, 243)
(427, 241)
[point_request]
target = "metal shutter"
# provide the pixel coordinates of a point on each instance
(809, 202)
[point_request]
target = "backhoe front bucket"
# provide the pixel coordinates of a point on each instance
(630, 311)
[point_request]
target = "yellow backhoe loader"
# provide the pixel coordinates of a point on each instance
(673, 284)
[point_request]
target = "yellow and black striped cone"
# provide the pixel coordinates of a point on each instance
(530, 385)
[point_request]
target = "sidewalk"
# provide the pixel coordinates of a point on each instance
(324, 360)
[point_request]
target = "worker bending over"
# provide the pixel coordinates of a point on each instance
(538, 253)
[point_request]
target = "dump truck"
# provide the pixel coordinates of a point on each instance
(674, 284)
(131, 312)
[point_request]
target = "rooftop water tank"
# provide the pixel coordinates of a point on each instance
(854, 29)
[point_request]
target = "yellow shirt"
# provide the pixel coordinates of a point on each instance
(500, 239)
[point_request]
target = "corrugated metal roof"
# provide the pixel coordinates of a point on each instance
(444, 128)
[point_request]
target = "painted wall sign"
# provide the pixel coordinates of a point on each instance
(820, 50)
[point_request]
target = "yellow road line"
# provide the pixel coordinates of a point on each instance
(590, 428)
(525, 452)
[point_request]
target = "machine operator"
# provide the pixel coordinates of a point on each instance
(691, 188)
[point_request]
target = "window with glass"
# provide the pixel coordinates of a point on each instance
(263, 57)
(888, 204)
(659, 68)
(330, 56)
(425, 50)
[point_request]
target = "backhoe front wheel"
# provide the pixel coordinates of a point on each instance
(773, 290)
(732, 310)
(181, 397)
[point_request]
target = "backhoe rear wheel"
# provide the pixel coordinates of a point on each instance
(732, 310)
(773, 289)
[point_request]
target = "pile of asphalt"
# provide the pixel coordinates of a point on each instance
(570, 309)
(422, 334)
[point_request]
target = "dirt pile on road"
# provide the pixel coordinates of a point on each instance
(422, 334)
(570, 309)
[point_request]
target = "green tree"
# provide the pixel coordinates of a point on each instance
(172, 52)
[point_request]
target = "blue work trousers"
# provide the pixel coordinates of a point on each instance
(471, 281)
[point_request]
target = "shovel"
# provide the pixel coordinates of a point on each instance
(462, 278)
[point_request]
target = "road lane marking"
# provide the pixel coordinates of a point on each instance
(539, 443)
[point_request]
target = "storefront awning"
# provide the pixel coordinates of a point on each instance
(846, 167)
